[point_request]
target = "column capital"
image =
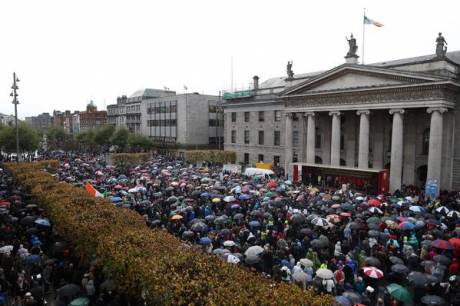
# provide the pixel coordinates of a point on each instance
(309, 114)
(436, 109)
(396, 111)
(335, 113)
(289, 115)
(363, 112)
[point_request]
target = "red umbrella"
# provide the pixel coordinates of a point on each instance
(345, 214)
(442, 244)
(374, 202)
(373, 272)
(272, 184)
(455, 242)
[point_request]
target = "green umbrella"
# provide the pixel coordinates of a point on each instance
(373, 220)
(399, 292)
(81, 301)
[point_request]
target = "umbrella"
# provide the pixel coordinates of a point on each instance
(233, 259)
(319, 243)
(221, 220)
(81, 301)
(333, 218)
(453, 214)
(116, 199)
(417, 209)
(442, 259)
(68, 290)
(399, 293)
(244, 197)
(220, 252)
(306, 262)
(372, 261)
(373, 220)
(433, 300)
(396, 260)
(43, 221)
(298, 219)
(205, 241)
(31, 206)
(455, 242)
(324, 273)
(32, 259)
(253, 254)
(376, 210)
(199, 227)
(354, 297)
(343, 300)
(176, 217)
(28, 220)
(417, 279)
(441, 244)
(229, 243)
(318, 221)
(254, 224)
(399, 268)
(374, 203)
(406, 226)
(238, 216)
(442, 210)
(373, 272)
(229, 199)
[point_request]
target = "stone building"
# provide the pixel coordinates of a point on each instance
(186, 119)
(401, 115)
(42, 122)
(91, 118)
(63, 120)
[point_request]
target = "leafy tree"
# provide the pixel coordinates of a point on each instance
(57, 138)
(28, 138)
(120, 138)
(139, 142)
(104, 134)
(87, 140)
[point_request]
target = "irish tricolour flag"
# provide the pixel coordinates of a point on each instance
(92, 191)
(370, 21)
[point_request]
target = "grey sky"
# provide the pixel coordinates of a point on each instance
(68, 52)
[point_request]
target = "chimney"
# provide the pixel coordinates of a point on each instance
(256, 82)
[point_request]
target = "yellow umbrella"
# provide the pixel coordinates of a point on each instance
(216, 200)
(177, 217)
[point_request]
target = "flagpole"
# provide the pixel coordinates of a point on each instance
(364, 27)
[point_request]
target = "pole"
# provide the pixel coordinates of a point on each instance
(16, 102)
(364, 27)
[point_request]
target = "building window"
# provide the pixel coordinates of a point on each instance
(261, 116)
(276, 160)
(261, 137)
(277, 115)
(233, 117)
(246, 116)
(261, 158)
(233, 136)
(246, 158)
(212, 122)
(277, 138)
(317, 139)
(426, 142)
(295, 157)
(246, 137)
(295, 138)
(212, 108)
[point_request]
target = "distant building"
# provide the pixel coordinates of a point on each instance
(91, 118)
(186, 119)
(6, 119)
(63, 120)
(127, 112)
(41, 123)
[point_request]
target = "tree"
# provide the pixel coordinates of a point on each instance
(120, 138)
(58, 138)
(139, 142)
(28, 138)
(103, 135)
(87, 140)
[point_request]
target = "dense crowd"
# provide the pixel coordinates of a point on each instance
(364, 249)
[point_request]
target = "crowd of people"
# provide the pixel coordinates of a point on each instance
(364, 249)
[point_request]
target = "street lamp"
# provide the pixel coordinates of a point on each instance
(14, 94)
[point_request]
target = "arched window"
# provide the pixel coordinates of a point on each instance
(426, 141)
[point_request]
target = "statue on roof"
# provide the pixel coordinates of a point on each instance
(441, 46)
(289, 71)
(353, 47)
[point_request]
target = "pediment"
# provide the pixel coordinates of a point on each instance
(355, 77)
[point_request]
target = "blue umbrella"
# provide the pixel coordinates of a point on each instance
(254, 224)
(116, 199)
(342, 300)
(235, 206)
(244, 197)
(43, 221)
(205, 195)
(205, 241)
(31, 259)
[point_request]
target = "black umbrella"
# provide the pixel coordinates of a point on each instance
(399, 268)
(298, 219)
(199, 227)
(354, 297)
(433, 300)
(417, 279)
(238, 216)
(396, 260)
(187, 234)
(28, 220)
(68, 290)
(442, 259)
(372, 261)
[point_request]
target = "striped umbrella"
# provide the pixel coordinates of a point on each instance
(375, 210)
(373, 272)
(318, 221)
(407, 226)
(442, 210)
(442, 244)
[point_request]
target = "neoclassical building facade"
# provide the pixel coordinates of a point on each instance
(400, 115)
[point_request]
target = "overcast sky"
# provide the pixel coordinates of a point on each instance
(69, 52)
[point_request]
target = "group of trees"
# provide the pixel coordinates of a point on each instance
(98, 140)
(29, 139)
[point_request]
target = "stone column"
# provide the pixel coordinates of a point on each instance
(311, 133)
(396, 149)
(435, 144)
(288, 142)
(363, 151)
(335, 138)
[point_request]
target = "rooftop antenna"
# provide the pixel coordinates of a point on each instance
(231, 72)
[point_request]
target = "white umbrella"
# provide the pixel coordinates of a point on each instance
(376, 210)
(442, 210)
(253, 254)
(318, 221)
(229, 199)
(232, 259)
(229, 243)
(306, 262)
(324, 273)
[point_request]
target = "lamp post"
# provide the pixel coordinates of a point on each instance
(14, 94)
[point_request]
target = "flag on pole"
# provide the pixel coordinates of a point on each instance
(92, 191)
(371, 21)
